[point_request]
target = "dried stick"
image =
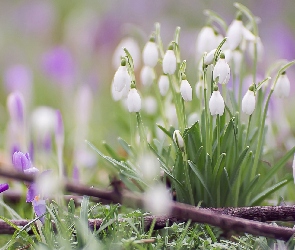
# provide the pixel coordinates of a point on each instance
(178, 210)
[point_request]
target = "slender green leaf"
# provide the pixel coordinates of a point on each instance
(128, 148)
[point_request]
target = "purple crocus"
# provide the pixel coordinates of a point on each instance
(3, 187)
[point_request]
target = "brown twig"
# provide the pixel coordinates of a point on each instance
(178, 210)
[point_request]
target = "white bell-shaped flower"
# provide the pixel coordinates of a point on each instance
(150, 53)
(206, 41)
(249, 101)
(237, 58)
(216, 103)
(221, 70)
(133, 101)
(186, 89)
(116, 95)
(260, 49)
(208, 59)
(121, 77)
(235, 33)
(282, 87)
(147, 75)
(163, 84)
(248, 35)
(169, 61)
(149, 105)
(177, 138)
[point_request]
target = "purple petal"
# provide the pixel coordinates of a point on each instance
(15, 105)
(3, 187)
(32, 192)
(39, 208)
(20, 161)
(76, 174)
(59, 129)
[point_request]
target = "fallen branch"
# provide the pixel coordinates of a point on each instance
(178, 210)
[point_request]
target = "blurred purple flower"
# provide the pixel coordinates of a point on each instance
(18, 78)
(58, 64)
(15, 105)
(21, 161)
(76, 174)
(3, 187)
(39, 206)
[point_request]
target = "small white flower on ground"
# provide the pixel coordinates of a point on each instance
(282, 87)
(186, 90)
(177, 138)
(248, 102)
(150, 53)
(150, 105)
(237, 58)
(169, 61)
(157, 200)
(147, 75)
(121, 77)
(216, 103)
(133, 101)
(235, 33)
(163, 84)
(221, 70)
(132, 46)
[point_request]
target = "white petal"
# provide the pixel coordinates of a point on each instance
(248, 102)
(147, 75)
(216, 104)
(208, 59)
(222, 71)
(282, 88)
(177, 138)
(260, 49)
(234, 34)
(186, 90)
(121, 78)
(116, 94)
(169, 62)
(206, 41)
(150, 54)
(163, 84)
(248, 35)
(133, 101)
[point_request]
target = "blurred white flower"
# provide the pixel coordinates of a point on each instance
(157, 200)
(150, 54)
(132, 46)
(237, 58)
(133, 101)
(163, 84)
(221, 70)
(149, 166)
(116, 95)
(193, 118)
(49, 184)
(248, 35)
(147, 75)
(216, 103)
(121, 78)
(208, 59)
(260, 49)
(206, 41)
(248, 102)
(235, 34)
(150, 105)
(169, 62)
(186, 90)
(282, 87)
(43, 120)
(177, 138)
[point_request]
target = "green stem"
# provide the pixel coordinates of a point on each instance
(248, 129)
(218, 135)
(188, 182)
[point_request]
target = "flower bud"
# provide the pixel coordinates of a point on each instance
(282, 87)
(216, 103)
(248, 102)
(150, 54)
(169, 62)
(235, 34)
(186, 90)
(177, 138)
(133, 101)
(221, 70)
(163, 84)
(147, 75)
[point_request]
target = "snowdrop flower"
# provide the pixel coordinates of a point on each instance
(282, 87)
(133, 101)
(121, 77)
(207, 40)
(116, 95)
(248, 35)
(237, 58)
(260, 49)
(169, 61)
(132, 46)
(235, 32)
(163, 84)
(208, 59)
(186, 89)
(147, 75)
(216, 103)
(177, 138)
(221, 70)
(248, 102)
(149, 166)
(150, 105)
(157, 200)
(193, 118)
(150, 53)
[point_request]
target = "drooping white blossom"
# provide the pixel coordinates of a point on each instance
(149, 166)
(150, 53)
(121, 77)
(177, 138)
(221, 70)
(149, 105)
(237, 58)
(147, 75)
(186, 90)
(116, 95)
(235, 33)
(282, 87)
(163, 84)
(216, 103)
(133, 101)
(207, 40)
(260, 49)
(249, 101)
(169, 61)
(208, 59)
(248, 35)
